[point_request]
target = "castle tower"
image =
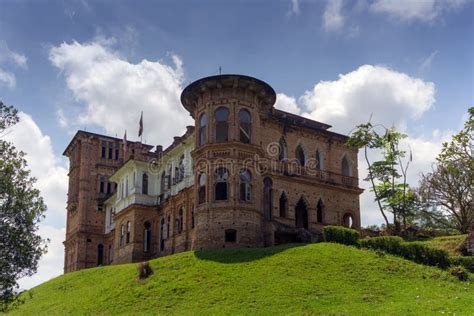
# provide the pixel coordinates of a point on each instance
(229, 187)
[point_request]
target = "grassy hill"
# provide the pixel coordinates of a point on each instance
(448, 243)
(316, 279)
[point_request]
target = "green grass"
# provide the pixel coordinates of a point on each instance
(448, 243)
(305, 279)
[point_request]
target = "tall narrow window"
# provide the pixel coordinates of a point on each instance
(129, 230)
(220, 184)
(202, 129)
(300, 155)
(111, 150)
(180, 220)
(283, 154)
(267, 198)
(180, 175)
(193, 219)
(100, 255)
(144, 183)
(162, 235)
(245, 126)
(163, 182)
(283, 205)
(245, 185)
(126, 186)
(168, 178)
(117, 151)
(109, 187)
(346, 167)
(319, 165)
(103, 149)
(122, 234)
(168, 227)
(222, 124)
(101, 184)
(319, 211)
(147, 237)
(202, 188)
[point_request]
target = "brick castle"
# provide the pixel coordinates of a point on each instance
(247, 175)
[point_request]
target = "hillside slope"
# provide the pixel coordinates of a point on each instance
(318, 278)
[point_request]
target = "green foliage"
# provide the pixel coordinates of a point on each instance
(449, 243)
(341, 235)
(460, 273)
(21, 209)
(466, 262)
(415, 251)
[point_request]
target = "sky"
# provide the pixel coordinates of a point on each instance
(95, 65)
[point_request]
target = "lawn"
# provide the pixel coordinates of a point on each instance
(319, 278)
(448, 243)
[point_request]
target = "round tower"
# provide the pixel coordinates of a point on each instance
(229, 188)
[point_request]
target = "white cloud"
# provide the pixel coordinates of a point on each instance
(7, 79)
(115, 91)
(7, 55)
(391, 97)
(52, 181)
(294, 8)
(421, 10)
(286, 103)
(333, 20)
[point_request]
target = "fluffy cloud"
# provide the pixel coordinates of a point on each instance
(333, 20)
(7, 79)
(409, 10)
(7, 56)
(390, 96)
(51, 175)
(115, 91)
(286, 103)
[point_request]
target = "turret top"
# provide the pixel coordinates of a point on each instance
(191, 94)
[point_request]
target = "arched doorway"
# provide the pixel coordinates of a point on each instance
(100, 255)
(301, 214)
(348, 220)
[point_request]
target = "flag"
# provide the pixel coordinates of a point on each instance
(125, 141)
(140, 128)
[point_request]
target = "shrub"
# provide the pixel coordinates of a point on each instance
(144, 270)
(390, 244)
(341, 235)
(466, 262)
(460, 273)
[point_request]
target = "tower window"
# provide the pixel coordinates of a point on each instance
(129, 230)
(144, 183)
(202, 188)
(245, 126)
(230, 235)
(147, 237)
(221, 185)
(283, 205)
(300, 155)
(222, 124)
(202, 129)
(245, 185)
(345, 167)
(282, 155)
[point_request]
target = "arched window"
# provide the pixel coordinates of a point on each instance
(283, 154)
(144, 183)
(345, 167)
(319, 211)
(168, 223)
(100, 255)
(163, 182)
(319, 162)
(221, 178)
(267, 198)
(147, 237)
(245, 185)
(348, 220)
(180, 175)
(202, 129)
(129, 230)
(300, 156)
(122, 234)
(222, 125)
(283, 205)
(162, 235)
(202, 188)
(245, 126)
(180, 220)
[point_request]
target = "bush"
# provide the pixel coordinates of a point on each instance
(341, 235)
(413, 251)
(144, 270)
(466, 262)
(390, 244)
(460, 273)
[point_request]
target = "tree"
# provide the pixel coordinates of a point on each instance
(447, 190)
(388, 176)
(21, 209)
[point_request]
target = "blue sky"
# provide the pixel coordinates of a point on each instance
(65, 64)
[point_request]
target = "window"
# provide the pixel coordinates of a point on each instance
(162, 235)
(168, 227)
(348, 220)
(129, 229)
(282, 155)
(180, 220)
(117, 151)
(220, 186)
(122, 234)
(103, 149)
(319, 162)
(180, 175)
(202, 188)
(126, 186)
(222, 125)
(202, 129)
(300, 156)
(245, 126)
(147, 237)
(111, 254)
(230, 235)
(319, 211)
(245, 185)
(111, 150)
(283, 205)
(100, 255)
(346, 167)
(168, 178)
(109, 187)
(193, 210)
(163, 182)
(144, 183)
(101, 184)
(100, 207)
(267, 198)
